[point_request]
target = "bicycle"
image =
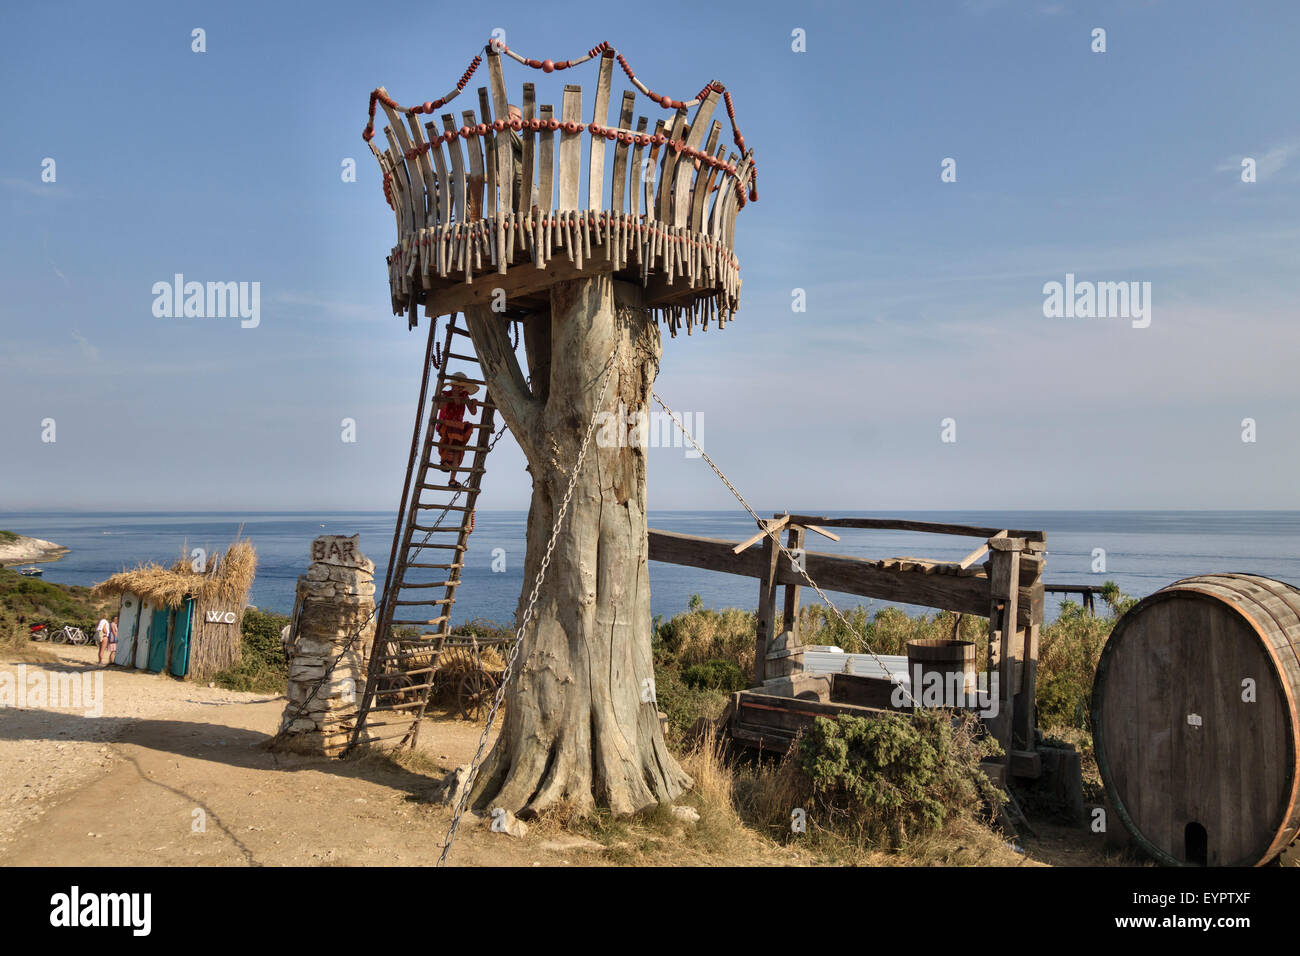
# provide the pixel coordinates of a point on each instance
(69, 635)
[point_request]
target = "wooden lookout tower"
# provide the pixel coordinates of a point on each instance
(584, 226)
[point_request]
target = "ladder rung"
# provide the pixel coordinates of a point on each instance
(459, 331)
(421, 506)
(423, 603)
(402, 586)
(418, 703)
(471, 471)
(444, 445)
(441, 567)
(436, 620)
(467, 358)
(461, 381)
(470, 488)
(417, 527)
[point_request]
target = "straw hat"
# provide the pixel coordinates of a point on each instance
(460, 379)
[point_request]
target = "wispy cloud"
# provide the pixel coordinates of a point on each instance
(1268, 165)
(89, 352)
(350, 311)
(34, 187)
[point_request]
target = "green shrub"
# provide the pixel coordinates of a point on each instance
(1068, 651)
(262, 668)
(887, 781)
(716, 674)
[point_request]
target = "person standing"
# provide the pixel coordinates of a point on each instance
(112, 640)
(102, 631)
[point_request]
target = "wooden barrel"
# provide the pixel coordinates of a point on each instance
(1195, 721)
(951, 662)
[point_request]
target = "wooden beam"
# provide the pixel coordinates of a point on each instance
(776, 524)
(931, 527)
(848, 575)
(979, 552)
(821, 531)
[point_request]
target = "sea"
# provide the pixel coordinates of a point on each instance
(1141, 551)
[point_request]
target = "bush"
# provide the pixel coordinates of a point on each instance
(716, 675)
(262, 668)
(1068, 651)
(703, 635)
(887, 781)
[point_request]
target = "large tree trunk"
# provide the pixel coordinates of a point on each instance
(581, 723)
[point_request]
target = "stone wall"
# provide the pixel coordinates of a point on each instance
(335, 598)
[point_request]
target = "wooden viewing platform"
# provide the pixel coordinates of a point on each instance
(495, 204)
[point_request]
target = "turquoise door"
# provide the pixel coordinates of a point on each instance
(158, 640)
(182, 624)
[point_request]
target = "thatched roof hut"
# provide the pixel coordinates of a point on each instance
(185, 621)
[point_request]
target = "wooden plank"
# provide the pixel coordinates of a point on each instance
(790, 610)
(439, 160)
(704, 177)
(766, 629)
(635, 174)
(822, 531)
(979, 552)
(664, 204)
(1004, 595)
(505, 155)
(425, 165)
(726, 194)
(842, 573)
(600, 115)
(687, 175)
(419, 203)
(546, 162)
(774, 525)
(459, 183)
(475, 180)
(733, 205)
(618, 189)
(489, 145)
(570, 168)
(933, 527)
(650, 163)
(527, 200)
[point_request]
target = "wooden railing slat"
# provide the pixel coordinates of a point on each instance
(687, 175)
(474, 181)
(618, 189)
(600, 115)
(703, 183)
(457, 157)
(527, 202)
(570, 149)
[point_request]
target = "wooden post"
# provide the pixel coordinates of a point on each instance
(1004, 587)
(1025, 714)
(795, 542)
(766, 611)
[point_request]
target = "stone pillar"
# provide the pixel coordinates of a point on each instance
(335, 598)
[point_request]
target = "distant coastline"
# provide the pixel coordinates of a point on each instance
(20, 549)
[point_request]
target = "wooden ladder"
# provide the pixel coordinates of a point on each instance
(415, 618)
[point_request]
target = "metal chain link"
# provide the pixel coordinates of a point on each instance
(528, 612)
(776, 537)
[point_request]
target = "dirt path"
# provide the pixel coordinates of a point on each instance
(174, 774)
(163, 772)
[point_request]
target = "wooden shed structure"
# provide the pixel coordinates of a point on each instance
(180, 621)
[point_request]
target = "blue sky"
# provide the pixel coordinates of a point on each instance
(924, 298)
